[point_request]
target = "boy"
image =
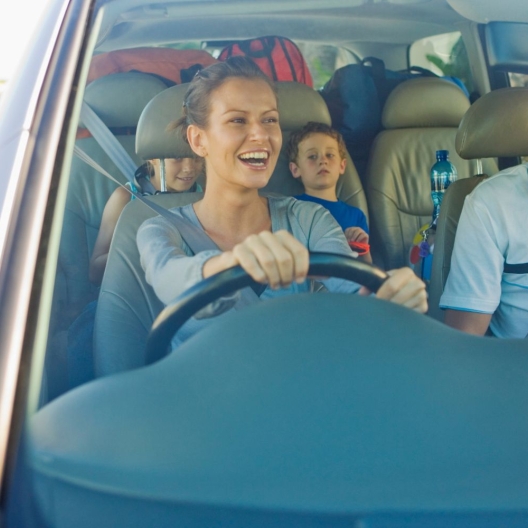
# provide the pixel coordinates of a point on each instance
(317, 156)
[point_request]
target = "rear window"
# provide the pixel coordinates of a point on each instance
(444, 55)
(518, 80)
(323, 60)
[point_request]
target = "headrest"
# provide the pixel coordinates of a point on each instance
(496, 125)
(299, 104)
(424, 103)
(119, 99)
(153, 140)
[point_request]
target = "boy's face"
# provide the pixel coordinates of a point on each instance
(319, 164)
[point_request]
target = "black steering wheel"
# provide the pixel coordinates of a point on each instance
(172, 318)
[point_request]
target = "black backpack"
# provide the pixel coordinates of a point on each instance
(355, 96)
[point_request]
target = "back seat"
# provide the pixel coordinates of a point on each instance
(420, 117)
(88, 191)
(299, 104)
(127, 305)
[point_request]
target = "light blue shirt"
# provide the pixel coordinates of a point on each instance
(171, 267)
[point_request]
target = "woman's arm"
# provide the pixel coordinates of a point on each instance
(169, 264)
(113, 208)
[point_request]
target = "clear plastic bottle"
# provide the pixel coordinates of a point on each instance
(443, 173)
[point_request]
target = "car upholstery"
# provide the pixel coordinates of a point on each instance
(420, 117)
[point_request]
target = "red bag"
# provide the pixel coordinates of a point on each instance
(164, 62)
(278, 57)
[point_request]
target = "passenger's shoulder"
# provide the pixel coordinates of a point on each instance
(505, 178)
(506, 182)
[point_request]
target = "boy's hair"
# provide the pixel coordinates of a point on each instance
(314, 128)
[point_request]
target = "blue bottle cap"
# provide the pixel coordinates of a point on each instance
(443, 154)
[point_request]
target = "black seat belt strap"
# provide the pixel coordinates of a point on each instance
(516, 268)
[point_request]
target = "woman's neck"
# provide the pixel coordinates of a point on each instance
(232, 219)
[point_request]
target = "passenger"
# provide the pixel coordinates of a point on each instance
(487, 285)
(230, 119)
(181, 175)
(317, 156)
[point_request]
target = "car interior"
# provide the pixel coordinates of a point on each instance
(269, 419)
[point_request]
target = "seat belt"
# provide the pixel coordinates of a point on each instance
(112, 147)
(195, 238)
(108, 142)
(516, 268)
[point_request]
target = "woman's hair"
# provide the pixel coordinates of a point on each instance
(196, 105)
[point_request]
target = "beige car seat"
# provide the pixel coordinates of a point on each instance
(88, 191)
(299, 104)
(495, 126)
(420, 117)
(127, 304)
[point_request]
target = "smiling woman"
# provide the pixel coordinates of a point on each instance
(231, 120)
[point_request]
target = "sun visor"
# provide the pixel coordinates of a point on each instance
(483, 11)
(507, 44)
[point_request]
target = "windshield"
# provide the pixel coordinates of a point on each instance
(248, 410)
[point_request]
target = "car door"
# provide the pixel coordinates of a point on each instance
(32, 141)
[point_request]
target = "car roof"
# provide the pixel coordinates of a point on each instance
(131, 23)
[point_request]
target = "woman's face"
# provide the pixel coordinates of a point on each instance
(180, 173)
(242, 140)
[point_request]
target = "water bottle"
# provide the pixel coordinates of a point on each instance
(443, 173)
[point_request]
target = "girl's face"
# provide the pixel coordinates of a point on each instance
(180, 173)
(242, 140)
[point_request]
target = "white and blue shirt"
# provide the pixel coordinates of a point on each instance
(493, 230)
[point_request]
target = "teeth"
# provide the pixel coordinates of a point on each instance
(254, 155)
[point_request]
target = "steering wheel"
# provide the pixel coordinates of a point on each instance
(172, 318)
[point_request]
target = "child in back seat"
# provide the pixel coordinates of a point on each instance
(317, 155)
(181, 176)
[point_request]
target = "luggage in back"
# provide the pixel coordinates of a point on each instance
(356, 95)
(277, 57)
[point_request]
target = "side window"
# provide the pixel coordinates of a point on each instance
(444, 55)
(518, 80)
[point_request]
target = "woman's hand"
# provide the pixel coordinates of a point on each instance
(403, 287)
(277, 259)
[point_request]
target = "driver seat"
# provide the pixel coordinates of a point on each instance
(127, 305)
(494, 126)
